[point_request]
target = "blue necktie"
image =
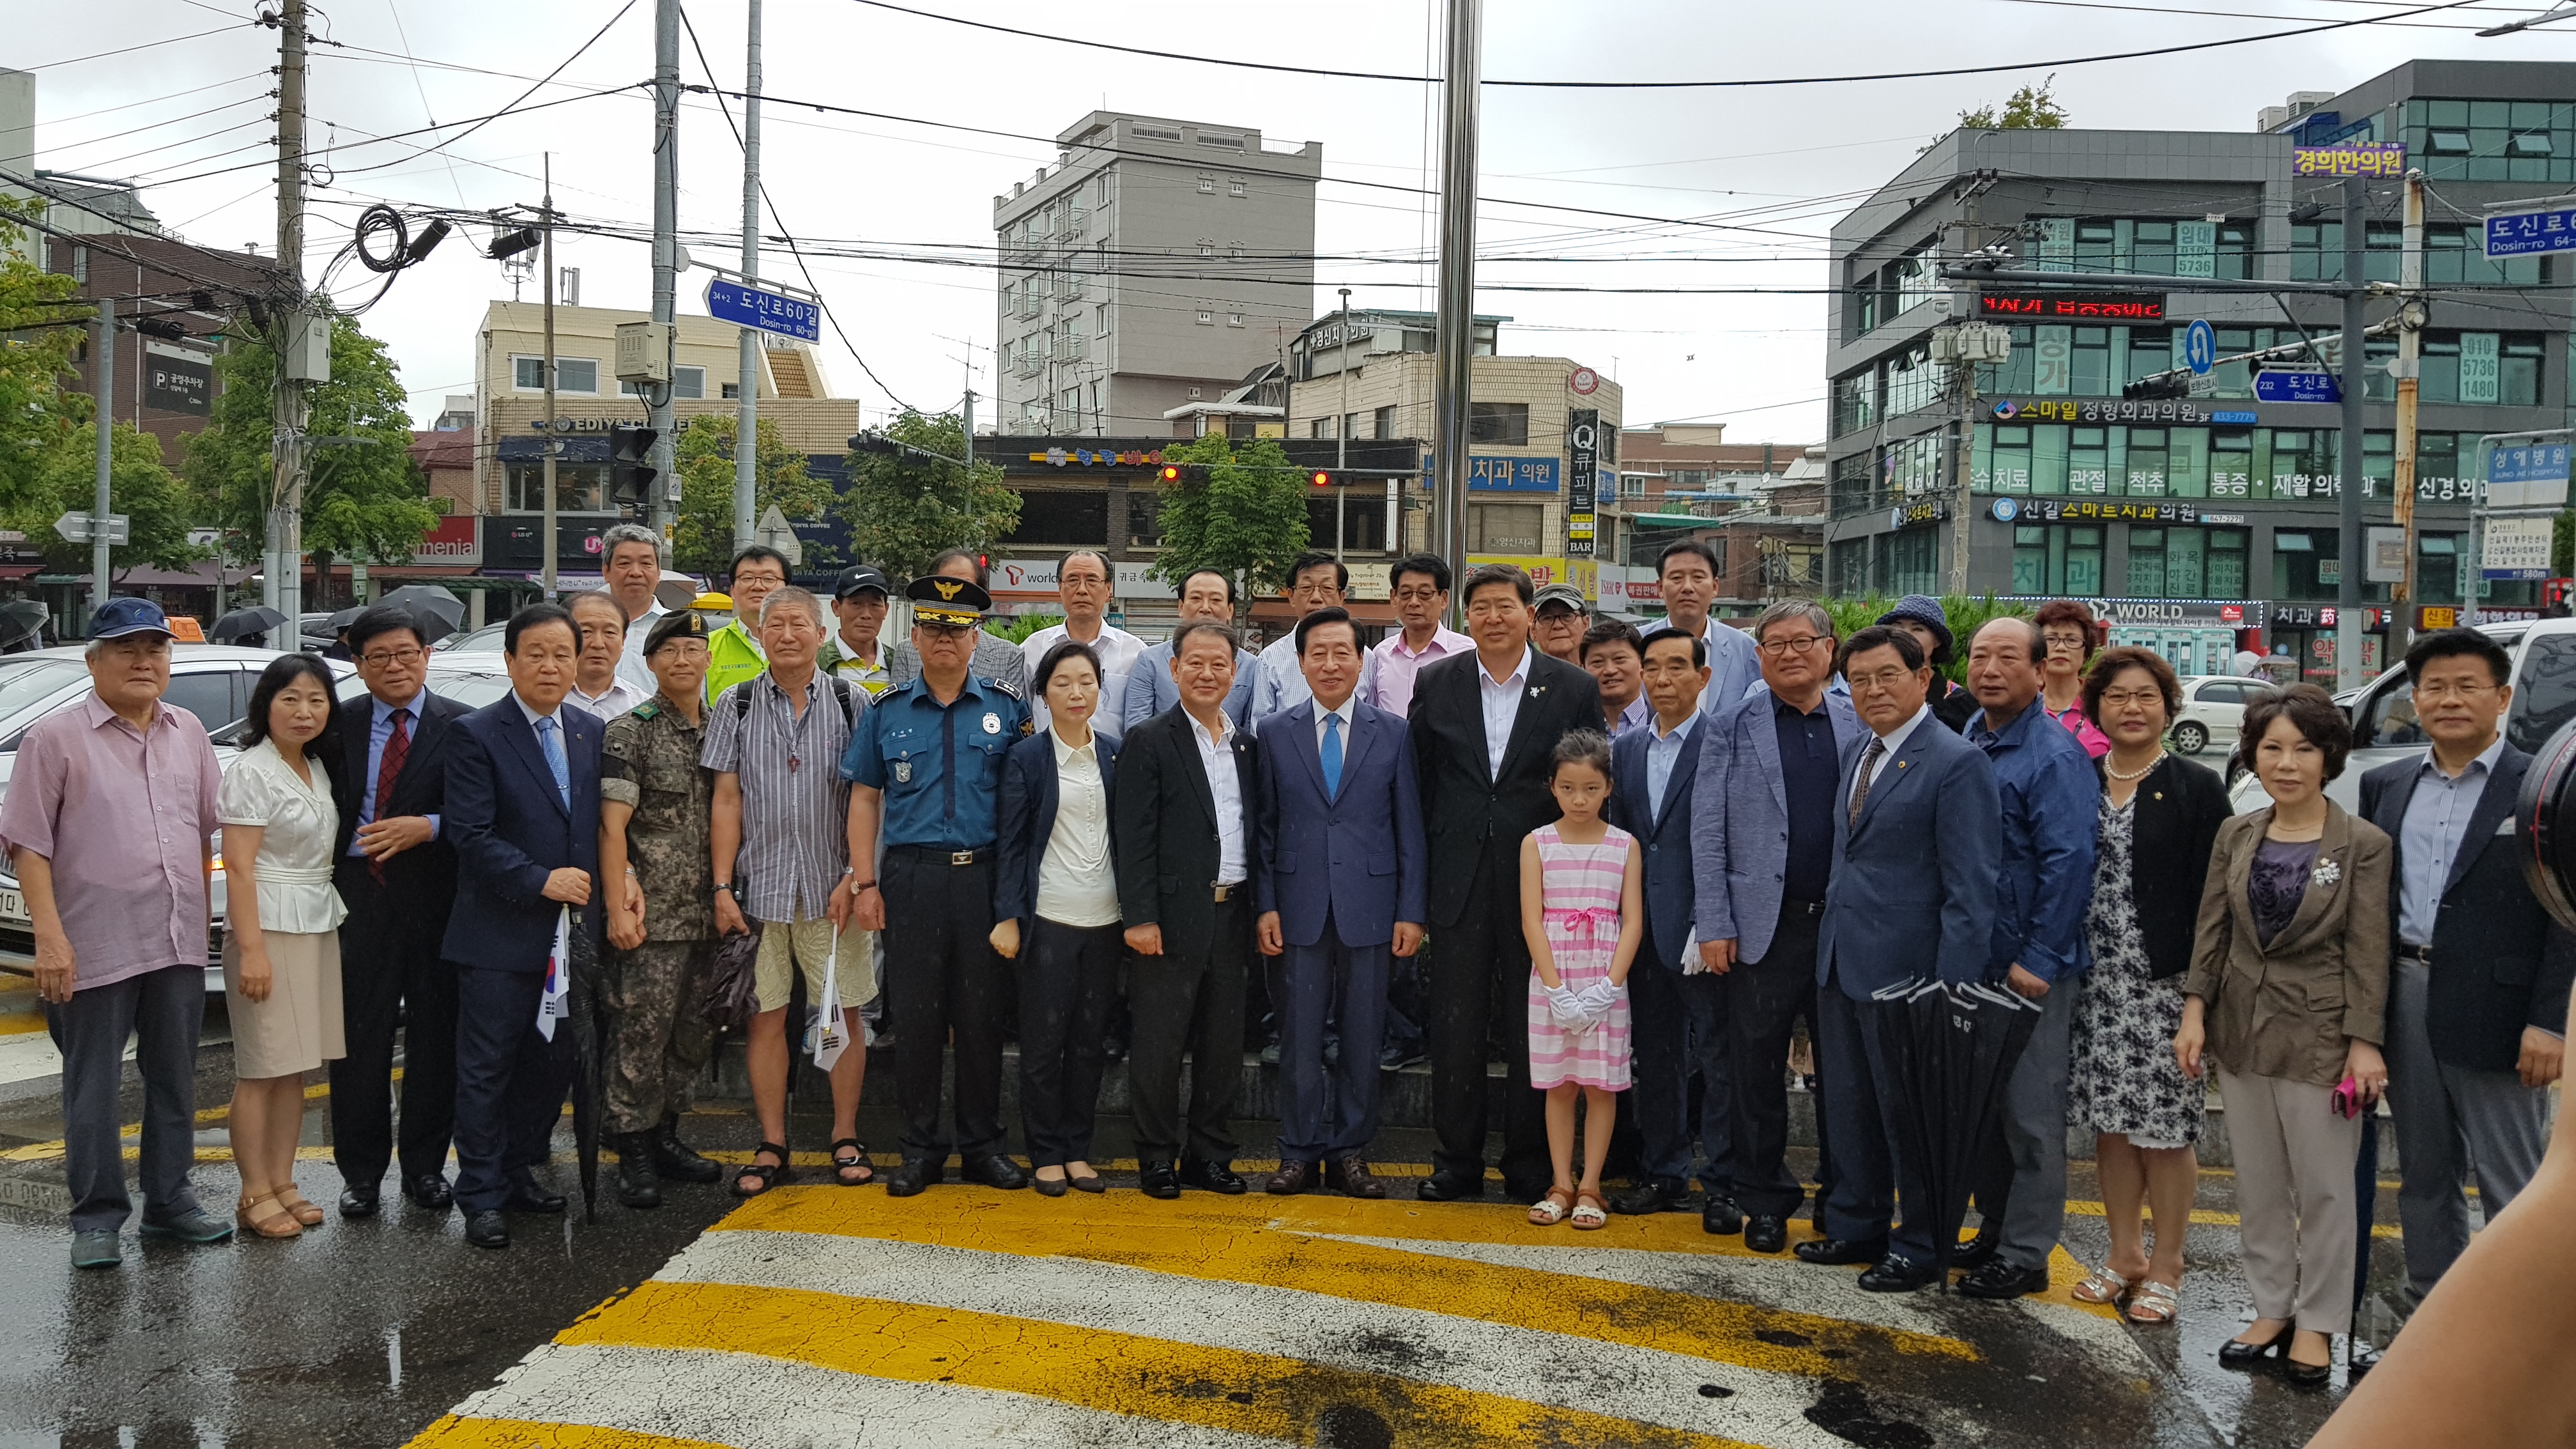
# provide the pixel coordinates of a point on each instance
(553, 746)
(1332, 753)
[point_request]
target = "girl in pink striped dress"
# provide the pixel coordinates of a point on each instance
(1582, 909)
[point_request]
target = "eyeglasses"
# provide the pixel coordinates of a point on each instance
(1777, 647)
(2056, 642)
(2452, 691)
(1880, 681)
(384, 658)
(948, 631)
(2133, 696)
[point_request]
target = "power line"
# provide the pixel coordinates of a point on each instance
(130, 49)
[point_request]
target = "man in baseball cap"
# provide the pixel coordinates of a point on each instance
(121, 617)
(855, 651)
(1559, 616)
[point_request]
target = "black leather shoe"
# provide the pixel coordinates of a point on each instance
(430, 1191)
(533, 1199)
(1156, 1178)
(2307, 1375)
(360, 1200)
(2237, 1353)
(915, 1173)
(1049, 1187)
(677, 1160)
(1720, 1217)
(994, 1170)
(1764, 1233)
(1209, 1175)
(1999, 1280)
(1650, 1196)
(1895, 1274)
(1450, 1185)
(638, 1186)
(487, 1229)
(1980, 1249)
(1836, 1252)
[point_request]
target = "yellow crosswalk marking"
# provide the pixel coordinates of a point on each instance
(453, 1432)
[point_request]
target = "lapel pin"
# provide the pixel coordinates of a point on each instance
(1536, 690)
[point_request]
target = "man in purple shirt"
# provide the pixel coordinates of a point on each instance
(107, 824)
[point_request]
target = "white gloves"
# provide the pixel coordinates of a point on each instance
(1565, 1004)
(1596, 1001)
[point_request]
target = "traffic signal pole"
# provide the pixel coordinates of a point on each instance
(1455, 335)
(666, 256)
(746, 430)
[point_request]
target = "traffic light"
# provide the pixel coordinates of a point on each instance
(1320, 478)
(877, 443)
(1182, 473)
(630, 476)
(2167, 385)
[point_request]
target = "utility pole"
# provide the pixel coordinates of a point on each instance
(554, 444)
(2348, 482)
(282, 573)
(970, 430)
(1454, 389)
(99, 509)
(746, 428)
(666, 258)
(2410, 337)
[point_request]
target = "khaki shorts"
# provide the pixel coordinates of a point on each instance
(809, 942)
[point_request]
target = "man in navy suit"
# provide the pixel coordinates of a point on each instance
(1918, 841)
(1340, 886)
(523, 815)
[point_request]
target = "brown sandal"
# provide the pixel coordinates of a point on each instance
(281, 1224)
(299, 1206)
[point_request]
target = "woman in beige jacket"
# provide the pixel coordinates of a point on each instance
(2289, 978)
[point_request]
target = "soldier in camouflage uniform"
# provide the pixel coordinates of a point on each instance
(654, 805)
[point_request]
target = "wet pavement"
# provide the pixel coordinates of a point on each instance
(821, 1316)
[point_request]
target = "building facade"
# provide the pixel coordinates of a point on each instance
(1157, 263)
(2216, 512)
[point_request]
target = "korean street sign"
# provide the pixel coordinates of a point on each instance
(2523, 233)
(732, 301)
(2528, 475)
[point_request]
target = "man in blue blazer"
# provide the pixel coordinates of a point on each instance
(523, 815)
(1679, 1027)
(1918, 840)
(1763, 848)
(1340, 886)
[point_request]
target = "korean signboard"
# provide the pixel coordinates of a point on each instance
(2105, 410)
(178, 384)
(2523, 233)
(1583, 458)
(2517, 548)
(2086, 510)
(2368, 158)
(1511, 475)
(2035, 305)
(2528, 475)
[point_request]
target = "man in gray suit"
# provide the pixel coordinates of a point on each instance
(1918, 842)
(1762, 847)
(1207, 596)
(995, 657)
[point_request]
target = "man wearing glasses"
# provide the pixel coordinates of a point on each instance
(1421, 591)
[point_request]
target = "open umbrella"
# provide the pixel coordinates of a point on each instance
(430, 602)
(256, 619)
(22, 625)
(344, 618)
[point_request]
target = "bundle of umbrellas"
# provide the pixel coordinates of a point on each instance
(1951, 1047)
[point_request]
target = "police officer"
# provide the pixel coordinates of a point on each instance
(654, 803)
(925, 769)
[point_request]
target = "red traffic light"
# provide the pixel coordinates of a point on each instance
(1171, 472)
(1321, 479)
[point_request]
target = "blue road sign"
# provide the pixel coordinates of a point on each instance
(2199, 347)
(2524, 233)
(2528, 463)
(2281, 386)
(731, 301)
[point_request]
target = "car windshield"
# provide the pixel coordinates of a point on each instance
(25, 683)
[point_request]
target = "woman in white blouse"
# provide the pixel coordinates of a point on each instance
(1057, 900)
(282, 937)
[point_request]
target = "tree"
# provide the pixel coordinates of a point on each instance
(2032, 108)
(41, 317)
(362, 499)
(909, 506)
(1245, 517)
(1966, 615)
(156, 505)
(703, 542)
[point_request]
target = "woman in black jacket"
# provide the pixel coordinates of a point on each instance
(2159, 819)
(1056, 898)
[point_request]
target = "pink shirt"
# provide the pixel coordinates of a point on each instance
(124, 820)
(1397, 666)
(2096, 743)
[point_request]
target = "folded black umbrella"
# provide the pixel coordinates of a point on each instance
(587, 1022)
(1987, 1029)
(1908, 1046)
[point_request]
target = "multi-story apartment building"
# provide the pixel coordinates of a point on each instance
(1156, 264)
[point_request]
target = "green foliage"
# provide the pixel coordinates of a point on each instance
(1018, 627)
(1247, 519)
(703, 542)
(2562, 543)
(904, 509)
(1966, 615)
(157, 507)
(2032, 108)
(361, 500)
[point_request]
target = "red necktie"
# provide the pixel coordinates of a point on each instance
(397, 749)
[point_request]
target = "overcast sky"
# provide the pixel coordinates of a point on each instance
(187, 119)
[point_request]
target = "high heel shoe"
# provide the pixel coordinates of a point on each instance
(2236, 1353)
(2308, 1375)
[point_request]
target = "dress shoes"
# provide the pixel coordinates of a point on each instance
(917, 1171)
(1450, 1185)
(360, 1200)
(527, 1197)
(1980, 1250)
(1837, 1252)
(994, 1170)
(1764, 1232)
(677, 1160)
(487, 1229)
(1999, 1280)
(1350, 1176)
(2236, 1353)
(430, 1192)
(1654, 1195)
(1292, 1178)
(1049, 1186)
(638, 1186)
(1209, 1175)
(1720, 1217)
(1897, 1274)
(1155, 1177)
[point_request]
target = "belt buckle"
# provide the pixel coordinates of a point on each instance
(1222, 891)
(961, 857)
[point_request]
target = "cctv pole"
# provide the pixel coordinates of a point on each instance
(282, 575)
(746, 430)
(2348, 482)
(100, 506)
(666, 257)
(1456, 328)
(554, 445)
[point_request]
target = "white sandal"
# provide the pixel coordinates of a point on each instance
(2101, 1285)
(1550, 1210)
(1588, 1211)
(2155, 1304)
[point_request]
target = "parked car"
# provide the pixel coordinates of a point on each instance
(486, 640)
(2212, 707)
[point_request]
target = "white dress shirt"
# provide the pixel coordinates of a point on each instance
(1349, 714)
(1502, 702)
(630, 662)
(1119, 652)
(612, 702)
(1216, 755)
(1663, 752)
(1281, 683)
(1075, 886)
(1890, 743)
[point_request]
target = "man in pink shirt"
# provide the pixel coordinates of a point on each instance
(1421, 588)
(107, 823)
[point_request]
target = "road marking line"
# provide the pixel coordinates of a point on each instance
(1235, 1240)
(1560, 1368)
(208, 1117)
(452, 1432)
(1262, 1394)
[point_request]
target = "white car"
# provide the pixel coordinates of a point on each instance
(2213, 705)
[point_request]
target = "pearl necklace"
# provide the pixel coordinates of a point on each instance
(2140, 774)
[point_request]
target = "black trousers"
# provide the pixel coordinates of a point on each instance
(1068, 980)
(946, 981)
(510, 1083)
(1480, 970)
(390, 971)
(1763, 1000)
(1197, 1007)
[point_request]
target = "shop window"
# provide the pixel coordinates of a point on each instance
(2083, 569)
(2231, 463)
(2088, 461)
(2030, 574)
(2149, 462)
(579, 487)
(2146, 563)
(1065, 517)
(1503, 423)
(2227, 549)
(1506, 528)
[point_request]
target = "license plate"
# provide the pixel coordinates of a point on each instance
(13, 906)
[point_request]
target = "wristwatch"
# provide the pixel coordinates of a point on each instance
(726, 887)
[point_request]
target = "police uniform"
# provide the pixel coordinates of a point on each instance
(939, 770)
